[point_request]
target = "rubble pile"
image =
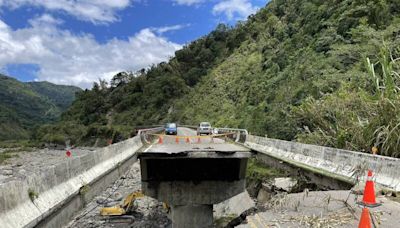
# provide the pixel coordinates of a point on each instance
(148, 212)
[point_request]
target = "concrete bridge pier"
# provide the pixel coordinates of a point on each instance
(191, 181)
(196, 216)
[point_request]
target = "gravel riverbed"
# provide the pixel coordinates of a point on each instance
(24, 163)
(148, 212)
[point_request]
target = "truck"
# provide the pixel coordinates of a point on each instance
(204, 128)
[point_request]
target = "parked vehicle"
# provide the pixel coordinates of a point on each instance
(171, 129)
(204, 128)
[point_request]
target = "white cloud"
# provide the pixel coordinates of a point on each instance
(45, 19)
(67, 58)
(96, 11)
(188, 2)
(234, 9)
(161, 30)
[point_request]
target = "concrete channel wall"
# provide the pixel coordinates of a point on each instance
(339, 164)
(59, 185)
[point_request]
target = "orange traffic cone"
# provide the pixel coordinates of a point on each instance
(365, 220)
(369, 193)
(160, 140)
(176, 139)
(187, 140)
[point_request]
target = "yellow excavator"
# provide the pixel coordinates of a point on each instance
(127, 206)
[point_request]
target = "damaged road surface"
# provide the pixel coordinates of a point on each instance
(321, 209)
(190, 178)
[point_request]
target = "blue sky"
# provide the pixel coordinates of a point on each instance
(79, 41)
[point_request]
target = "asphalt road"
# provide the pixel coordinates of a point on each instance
(183, 131)
(191, 137)
(187, 140)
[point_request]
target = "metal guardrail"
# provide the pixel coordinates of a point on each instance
(146, 134)
(241, 134)
(145, 127)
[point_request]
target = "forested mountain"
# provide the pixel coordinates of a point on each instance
(321, 72)
(24, 106)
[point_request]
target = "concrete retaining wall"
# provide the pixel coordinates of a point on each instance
(340, 164)
(57, 184)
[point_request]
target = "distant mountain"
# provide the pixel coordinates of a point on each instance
(23, 106)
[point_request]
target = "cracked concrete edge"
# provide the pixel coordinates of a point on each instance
(338, 164)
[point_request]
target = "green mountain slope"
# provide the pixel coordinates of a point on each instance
(291, 71)
(60, 95)
(23, 106)
(304, 49)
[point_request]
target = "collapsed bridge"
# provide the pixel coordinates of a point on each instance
(174, 173)
(193, 177)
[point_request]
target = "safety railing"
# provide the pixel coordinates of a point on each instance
(148, 135)
(240, 134)
(152, 135)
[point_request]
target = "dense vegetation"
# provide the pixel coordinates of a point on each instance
(24, 106)
(322, 72)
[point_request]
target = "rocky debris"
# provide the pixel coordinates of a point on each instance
(320, 209)
(147, 212)
(253, 186)
(6, 171)
(234, 206)
(265, 193)
(234, 210)
(19, 163)
(284, 183)
(101, 200)
(269, 188)
(116, 196)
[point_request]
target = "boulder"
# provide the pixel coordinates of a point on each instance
(7, 172)
(284, 184)
(265, 193)
(116, 196)
(234, 206)
(101, 200)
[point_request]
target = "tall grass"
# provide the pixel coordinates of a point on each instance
(385, 127)
(357, 117)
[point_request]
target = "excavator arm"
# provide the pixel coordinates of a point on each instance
(126, 207)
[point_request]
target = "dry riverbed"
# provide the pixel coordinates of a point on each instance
(19, 162)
